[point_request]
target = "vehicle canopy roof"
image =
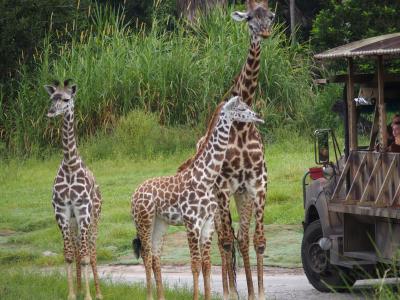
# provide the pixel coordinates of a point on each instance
(385, 45)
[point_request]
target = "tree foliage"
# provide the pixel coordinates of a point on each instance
(350, 20)
(24, 24)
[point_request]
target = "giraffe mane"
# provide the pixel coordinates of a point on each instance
(211, 125)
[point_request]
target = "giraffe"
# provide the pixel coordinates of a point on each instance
(76, 197)
(186, 198)
(244, 173)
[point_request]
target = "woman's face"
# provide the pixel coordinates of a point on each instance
(396, 130)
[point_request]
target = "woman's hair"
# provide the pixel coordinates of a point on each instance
(396, 119)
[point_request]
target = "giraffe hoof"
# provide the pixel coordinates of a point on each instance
(99, 297)
(88, 297)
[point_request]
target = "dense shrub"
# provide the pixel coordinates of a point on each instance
(139, 135)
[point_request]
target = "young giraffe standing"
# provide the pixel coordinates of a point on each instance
(186, 199)
(244, 174)
(76, 197)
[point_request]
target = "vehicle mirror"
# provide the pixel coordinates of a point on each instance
(322, 147)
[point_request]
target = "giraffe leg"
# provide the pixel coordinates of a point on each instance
(85, 260)
(226, 240)
(143, 213)
(74, 229)
(84, 219)
(93, 260)
(70, 280)
(63, 221)
(245, 210)
(144, 231)
(159, 230)
(205, 243)
(224, 274)
(259, 240)
(193, 236)
(78, 272)
(147, 261)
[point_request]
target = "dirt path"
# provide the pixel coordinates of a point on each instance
(280, 283)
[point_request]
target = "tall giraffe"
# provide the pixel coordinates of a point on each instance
(186, 199)
(244, 173)
(76, 197)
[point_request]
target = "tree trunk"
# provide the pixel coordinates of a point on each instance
(292, 6)
(188, 8)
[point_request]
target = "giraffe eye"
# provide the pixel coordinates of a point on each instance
(66, 100)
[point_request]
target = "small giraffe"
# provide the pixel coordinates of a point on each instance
(76, 197)
(244, 173)
(186, 199)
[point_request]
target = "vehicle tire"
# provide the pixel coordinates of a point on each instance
(320, 273)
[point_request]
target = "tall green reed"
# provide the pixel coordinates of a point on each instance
(179, 75)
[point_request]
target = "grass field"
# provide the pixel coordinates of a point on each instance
(30, 239)
(28, 228)
(20, 284)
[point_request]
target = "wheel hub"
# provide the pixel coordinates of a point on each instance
(318, 258)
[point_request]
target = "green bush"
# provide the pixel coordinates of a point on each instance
(319, 113)
(139, 135)
(346, 21)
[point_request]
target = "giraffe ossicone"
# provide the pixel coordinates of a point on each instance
(186, 198)
(76, 196)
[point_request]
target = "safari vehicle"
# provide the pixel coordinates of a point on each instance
(352, 201)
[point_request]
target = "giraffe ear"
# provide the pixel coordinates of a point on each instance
(74, 88)
(240, 16)
(50, 89)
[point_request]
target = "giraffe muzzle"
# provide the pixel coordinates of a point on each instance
(258, 119)
(265, 34)
(51, 114)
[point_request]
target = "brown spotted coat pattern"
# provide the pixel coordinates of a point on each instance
(76, 197)
(244, 172)
(186, 199)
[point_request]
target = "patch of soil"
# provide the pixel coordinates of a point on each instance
(7, 232)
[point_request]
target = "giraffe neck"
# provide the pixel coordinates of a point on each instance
(246, 84)
(207, 166)
(68, 138)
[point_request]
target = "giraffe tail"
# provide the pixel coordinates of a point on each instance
(137, 247)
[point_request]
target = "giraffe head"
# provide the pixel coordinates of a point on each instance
(259, 17)
(61, 96)
(236, 110)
